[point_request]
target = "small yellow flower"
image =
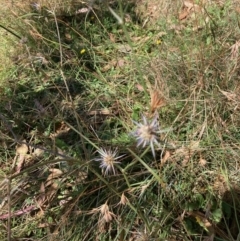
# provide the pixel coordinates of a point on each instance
(82, 51)
(158, 42)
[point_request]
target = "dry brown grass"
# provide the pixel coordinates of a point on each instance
(6, 39)
(192, 84)
(149, 11)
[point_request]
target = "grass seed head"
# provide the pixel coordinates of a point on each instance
(106, 215)
(123, 200)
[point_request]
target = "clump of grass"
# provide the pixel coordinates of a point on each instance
(80, 84)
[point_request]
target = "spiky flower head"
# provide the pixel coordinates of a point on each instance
(108, 158)
(147, 133)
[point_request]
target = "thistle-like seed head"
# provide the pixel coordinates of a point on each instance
(147, 133)
(108, 159)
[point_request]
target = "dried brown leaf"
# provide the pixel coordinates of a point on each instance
(234, 50)
(188, 4)
(183, 14)
(61, 129)
(51, 180)
(165, 157)
(194, 145)
(81, 177)
(202, 162)
(41, 198)
(112, 37)
(229, 95)
(139, 87)
(54, 186)
(22, 149)
(38, 152)
(187, 151)
(157, 101)
(124, 48)
(186, 10)
(19, 159)
(110, 65)
(54, 173)
(82, 10)
(120, 63)
(100, 112)
(220, 184)
(186, 160)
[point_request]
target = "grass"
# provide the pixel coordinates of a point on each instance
(74, 83)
